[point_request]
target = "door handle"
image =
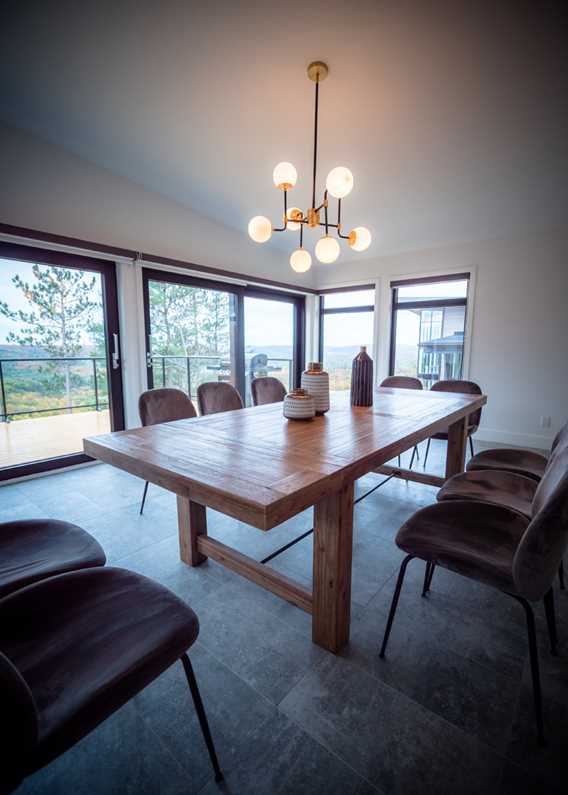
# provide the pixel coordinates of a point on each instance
(148, 359)
(115, 358)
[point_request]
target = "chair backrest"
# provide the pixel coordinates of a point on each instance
(164, 405)
(18, 725)
(545, 540)
(402, 382)
(467, 388)
(267, 390)
(215, 396)
(561, 438)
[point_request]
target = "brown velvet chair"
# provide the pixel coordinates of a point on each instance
(73, 650)
(35, 549)
(467, 388)
(404, 382)
(163, 405)
(216, 396)
(267, 390)
(508, 489)
(499, 547)
(522, 462)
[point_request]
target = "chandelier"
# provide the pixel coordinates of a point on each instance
(338, 184)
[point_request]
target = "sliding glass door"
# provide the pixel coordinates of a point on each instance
(60, 371)
(199, 330)
(273, 338)
(191, 332)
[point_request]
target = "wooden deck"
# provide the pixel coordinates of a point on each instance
(22, 441)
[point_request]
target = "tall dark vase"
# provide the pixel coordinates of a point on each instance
(362, 379)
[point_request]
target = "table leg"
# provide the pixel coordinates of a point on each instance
(333, 542)
(457, 442)
(192, 522)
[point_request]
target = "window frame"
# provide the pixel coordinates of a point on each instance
(439, 303)
(343, 309)
(108, 271)
(240, 292)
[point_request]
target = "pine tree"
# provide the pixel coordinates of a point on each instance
(62, 302)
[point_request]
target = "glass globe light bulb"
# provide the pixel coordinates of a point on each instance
(327, 249)
(339, 182)
(293, 226)
(301, 260)
(360, 238)
(284, 176)
(260, 229)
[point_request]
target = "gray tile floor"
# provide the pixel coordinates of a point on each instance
(449, 710)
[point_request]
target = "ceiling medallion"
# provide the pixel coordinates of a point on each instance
(338, 184)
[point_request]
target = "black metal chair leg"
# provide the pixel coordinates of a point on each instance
(199, 708)
(399, 464)
(431, 575)
(394, 603)
(471, 446)
(414, 452)
(426, 578)
(144, 497)
(561, 576)
(428, 574)
(535, 670)
(551, 621)
(426, 456)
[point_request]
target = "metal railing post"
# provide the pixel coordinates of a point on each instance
(96, 385)
(188, 367)
(3, 393)
(163, 371)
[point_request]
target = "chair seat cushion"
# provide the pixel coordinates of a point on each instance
(492, 485)
(34, 549)
(87, 642)
(475, 539)
(523, 462)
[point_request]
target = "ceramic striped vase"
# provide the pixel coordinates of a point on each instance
(316, 382)
(362, 379)
(298, 405)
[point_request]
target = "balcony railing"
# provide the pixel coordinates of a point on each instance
(13, 400)
(187, 372)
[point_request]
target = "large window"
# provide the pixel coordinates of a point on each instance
(199, 330)
(428, 327)
(60, 368)
(346, 323)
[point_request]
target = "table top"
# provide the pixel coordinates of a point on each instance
(257, 466)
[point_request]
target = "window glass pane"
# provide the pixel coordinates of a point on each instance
(432, 292)
(349, 298)
(269, 341)
(342, 337)
(429, 343)
(192, 335)
(54, 387)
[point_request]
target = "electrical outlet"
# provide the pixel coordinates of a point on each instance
(545, 422)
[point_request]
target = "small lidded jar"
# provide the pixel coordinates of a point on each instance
(299, 405)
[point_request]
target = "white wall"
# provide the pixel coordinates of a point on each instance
(519, 327)
(44, 187)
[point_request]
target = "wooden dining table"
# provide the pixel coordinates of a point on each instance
(256, 466)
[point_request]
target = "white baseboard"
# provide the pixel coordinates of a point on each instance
(533, 441)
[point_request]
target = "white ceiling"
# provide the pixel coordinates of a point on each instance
(451, 115)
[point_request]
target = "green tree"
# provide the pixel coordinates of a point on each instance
(61, 305)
